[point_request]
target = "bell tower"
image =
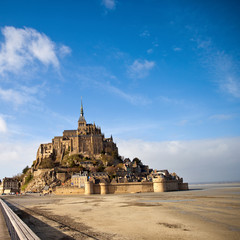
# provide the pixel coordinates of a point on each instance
(81, 122)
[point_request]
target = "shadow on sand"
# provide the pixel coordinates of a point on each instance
(195, 189)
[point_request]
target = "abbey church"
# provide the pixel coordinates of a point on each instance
(87, 140)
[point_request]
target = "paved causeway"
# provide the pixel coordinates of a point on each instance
(4, 234)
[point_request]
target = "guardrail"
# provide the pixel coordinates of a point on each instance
(17, 228)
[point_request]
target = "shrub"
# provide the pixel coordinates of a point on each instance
(24, 171)
(28, 179)
(46, 163)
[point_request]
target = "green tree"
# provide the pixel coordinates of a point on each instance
(24, 171)
(137, 160)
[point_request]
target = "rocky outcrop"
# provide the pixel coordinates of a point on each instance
(41, 179)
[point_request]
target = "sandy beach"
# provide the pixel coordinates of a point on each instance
(209, 211)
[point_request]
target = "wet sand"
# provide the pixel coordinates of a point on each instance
(205, 212)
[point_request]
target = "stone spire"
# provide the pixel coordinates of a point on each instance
(81, 108)
(81, 118)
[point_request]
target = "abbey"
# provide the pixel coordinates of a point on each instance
(86, 140)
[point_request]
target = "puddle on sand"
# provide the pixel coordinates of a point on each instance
(161, 201)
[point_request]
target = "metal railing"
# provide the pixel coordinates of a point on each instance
(17, 228)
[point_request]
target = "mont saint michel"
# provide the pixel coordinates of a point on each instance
(84, 161)
(119, 120)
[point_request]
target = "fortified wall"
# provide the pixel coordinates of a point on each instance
(158, 185)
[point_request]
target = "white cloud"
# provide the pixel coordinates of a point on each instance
(171, 101)
(14, 156)
(177, 49)
(182, 122)
(232, 86)
(226, 71)
(196, 161)
(145, 34)
(140, 68)
(17, 97)
(109, 4)
(221, 117)
(221, 65)
(25, 47)
(88, 76)
(64, 50)
(3, 125)
(150, 50)
(133, 99)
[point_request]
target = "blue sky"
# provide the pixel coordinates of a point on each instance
(162, 77)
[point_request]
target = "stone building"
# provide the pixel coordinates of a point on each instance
(10, 185)
(79, 179)
(86, 140)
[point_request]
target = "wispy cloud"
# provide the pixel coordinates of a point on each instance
(109, 4)
(177, 49)
(221, 117)
(64, 50)
(3, 125)
(22, 95)
(150, 50)
(132, 98)
(231, 85)
(221, 65)
(182, 122)
(172, 101)
(145, 34)
(15, 97)
(140, 68)
(26, 47)
(107, 81)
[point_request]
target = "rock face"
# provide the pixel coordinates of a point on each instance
(86, 140)
(43, 178)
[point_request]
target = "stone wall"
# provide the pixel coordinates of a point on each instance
(159, 185)
(133, 187)
(171, 186)
(96, 189)
(69, 190)
(162, 185)
(183, 186)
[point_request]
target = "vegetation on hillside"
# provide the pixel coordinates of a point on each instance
(72, 160)
(46, 163)
(28, 179)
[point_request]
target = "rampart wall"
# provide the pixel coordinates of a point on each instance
(158, 185)
(133, 187)
(69, 190)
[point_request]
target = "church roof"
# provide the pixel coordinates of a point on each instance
(82, 118)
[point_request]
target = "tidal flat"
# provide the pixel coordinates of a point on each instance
(206, 211)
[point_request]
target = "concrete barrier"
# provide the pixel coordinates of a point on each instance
(16, 227)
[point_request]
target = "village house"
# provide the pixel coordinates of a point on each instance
(10, 185)
(79, 179)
